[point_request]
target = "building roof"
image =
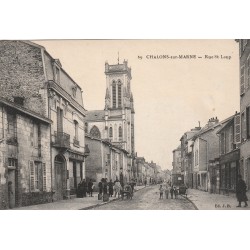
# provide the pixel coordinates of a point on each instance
(95, 115)
(24, 110)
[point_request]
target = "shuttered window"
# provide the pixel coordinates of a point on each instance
(32, 176)
(237, 129)
(119, 94)
(243, 126)
(231, 138)
(248, 121)
(44, 177)
(242, 80)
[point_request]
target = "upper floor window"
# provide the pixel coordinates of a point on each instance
(57, 74)
(242, 80)
(11, 119)
(76, 127)
(74, 92)
(95, 132)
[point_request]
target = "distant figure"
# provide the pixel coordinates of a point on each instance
(84, 188)
(100, 186)
(111, 189)
(117, 188)
(167, 191)
(90, 188)
(161, 192)
(172, 192)
(105, 186)
(241, 189)
(79, 193)
(175, 193)
(145, 182)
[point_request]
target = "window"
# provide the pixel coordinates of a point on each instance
(248, 122)
(35, 135)
(59, 120)
(12, 162)
(114, 94)
(108, 159)
(237, 129)
(95, 132)
(37, 176)
(11, 119)
(76, 125)
(120, 133)
(74, 92)
(242, 80)
(119, 94)
(248, 73)
(243, 126)
(110, 132)
(57, 75)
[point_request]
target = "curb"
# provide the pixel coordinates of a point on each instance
(196, 208)
(104, 203)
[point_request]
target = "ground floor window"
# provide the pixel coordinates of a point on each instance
(37, 176)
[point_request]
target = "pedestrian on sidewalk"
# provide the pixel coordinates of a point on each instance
(172, 192)
(111, 188)
(145, 182)
(167, 191)
(175, 193)
(161, 192)
(100, 186)
(117, 188)
(84, 188)
(90, 188)
(241, 189)
(79, 192)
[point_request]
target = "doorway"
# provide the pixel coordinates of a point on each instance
(60, 177)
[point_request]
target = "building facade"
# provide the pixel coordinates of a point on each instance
(30, 76)
(25, 171)
(244, 135)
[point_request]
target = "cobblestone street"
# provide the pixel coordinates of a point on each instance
(148, 199)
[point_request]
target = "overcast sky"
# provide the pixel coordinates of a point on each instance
(171, 95)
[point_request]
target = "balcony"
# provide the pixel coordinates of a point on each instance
(62, 140)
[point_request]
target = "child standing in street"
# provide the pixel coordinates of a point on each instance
(161, 192)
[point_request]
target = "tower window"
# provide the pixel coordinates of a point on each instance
(120, 133)
(110, 132)
(119, 94)
(114, 94)
(95, 132)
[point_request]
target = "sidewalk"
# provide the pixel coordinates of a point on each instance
(73, 204)
(206, 201)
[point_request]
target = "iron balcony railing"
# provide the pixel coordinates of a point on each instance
(62, 140)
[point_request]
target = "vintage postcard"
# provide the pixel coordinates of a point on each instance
(125, 124)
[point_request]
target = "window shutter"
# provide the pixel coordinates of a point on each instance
(32, 176)
(44, 177)
(231, 139)
(243, 125)
(237, 129)
(242, 80)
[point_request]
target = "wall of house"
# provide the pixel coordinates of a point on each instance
(22, 74)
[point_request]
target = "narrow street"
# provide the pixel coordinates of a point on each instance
(148, 199)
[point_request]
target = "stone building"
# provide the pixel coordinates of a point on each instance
(243, 137)
(30, 74)
(186, 157)
(177, 178)
(116, 122)
(25, 170)
(205, 148)
(225, 169)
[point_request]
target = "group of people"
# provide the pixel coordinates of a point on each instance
(113, 188)
(165, 188)
(85, 188)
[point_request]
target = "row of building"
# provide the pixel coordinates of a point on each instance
(48, 141)
(210, 158)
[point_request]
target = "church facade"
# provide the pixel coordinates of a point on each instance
(115, 124)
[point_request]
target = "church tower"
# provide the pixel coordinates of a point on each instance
(119, 106)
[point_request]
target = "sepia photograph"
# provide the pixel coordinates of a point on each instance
(160, 124)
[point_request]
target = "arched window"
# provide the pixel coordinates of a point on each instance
(114, 94)
(120, 133)
(76, 129)
(119, 94)
(110, 132)
(95, 132)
